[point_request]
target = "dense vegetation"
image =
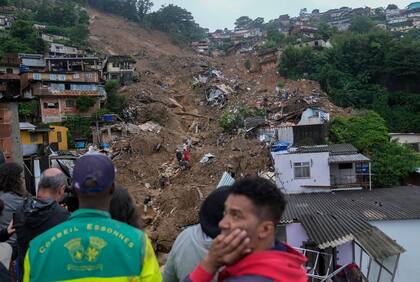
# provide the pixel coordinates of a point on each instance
(372, 69)
(176, 21)
(62, 17)
(368, 133)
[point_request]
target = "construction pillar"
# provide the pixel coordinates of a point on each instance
(10, 142)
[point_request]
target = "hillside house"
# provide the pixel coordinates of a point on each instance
(316, 44)
(119, 67)
(32, 62)
(34, 137)
(57, 49)
(53, 38)
(13, 83)
(322, 168)
(6, 21)
(267, 59)
(201, 47)
(65, 80)
(411, 139)
(375, 230)
(304, 32)
(314, 116)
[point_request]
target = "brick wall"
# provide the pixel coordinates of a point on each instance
(9, 133)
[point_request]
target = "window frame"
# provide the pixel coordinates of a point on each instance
(302, 168)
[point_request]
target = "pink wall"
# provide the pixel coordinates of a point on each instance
(296, 235)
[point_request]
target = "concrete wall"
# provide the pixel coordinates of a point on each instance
(296, 235)
(319, 172)
(345, 253)
(406, 233)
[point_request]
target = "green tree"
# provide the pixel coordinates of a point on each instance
(368, 133)
(363, 131)
(274, 35)
(28, 111)
(361, 24)
(178, 22)
(243, 22)
(84, 103)
(258, 23)
(392, 162)
(324, 31)
(295, 62)
(114, 102)
(143, 8)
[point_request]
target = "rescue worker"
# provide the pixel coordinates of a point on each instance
(91, 246)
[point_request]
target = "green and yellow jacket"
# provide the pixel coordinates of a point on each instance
(92, 247)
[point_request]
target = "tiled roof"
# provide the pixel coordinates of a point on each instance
(331, 219)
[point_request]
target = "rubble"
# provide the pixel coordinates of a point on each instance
(173, 101)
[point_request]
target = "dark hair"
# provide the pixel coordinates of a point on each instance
(211, 211)
(1, 207)
(268, 200)
(10, 178)
(122, 207)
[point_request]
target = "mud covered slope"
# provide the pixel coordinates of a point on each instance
(114, 35)
(165, 108)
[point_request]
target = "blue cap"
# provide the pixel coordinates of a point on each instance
(96, 167)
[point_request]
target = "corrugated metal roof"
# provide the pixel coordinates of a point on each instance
(226, 180)
(26, 126)
(348, 158)
(378, 244)
(331, 219)
(333, 149)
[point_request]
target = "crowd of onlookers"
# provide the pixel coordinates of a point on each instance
(41, 240)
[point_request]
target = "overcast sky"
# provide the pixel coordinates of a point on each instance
(216, 14)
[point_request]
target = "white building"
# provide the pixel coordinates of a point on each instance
(376, 231)
(322, 168)
(411, 139)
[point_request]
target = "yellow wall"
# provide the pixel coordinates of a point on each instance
(52, 135)
(25, 137)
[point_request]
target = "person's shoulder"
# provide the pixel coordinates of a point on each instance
(125, 227)
(249, 278)
(50, 233)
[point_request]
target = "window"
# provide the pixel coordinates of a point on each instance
(59, 137)
(53, 77)
(70, 103)
(76, 76)
(51, 105)
(345, 166)
(33, 137)
(9, 70)
(37, 76)
(62, 77)
(302, 170)
(67, 86)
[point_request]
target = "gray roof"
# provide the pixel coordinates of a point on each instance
(26, 126)
(333, 149)
(30, 62)
(331, 219)
(347, 158)
(226, 180)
